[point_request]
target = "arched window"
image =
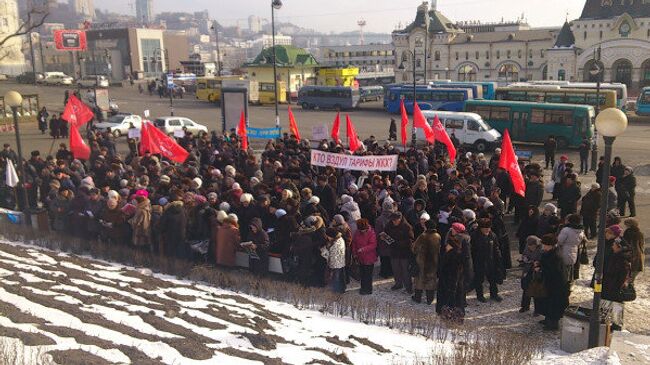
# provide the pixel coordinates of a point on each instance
(509, 72)
(467, 73)
(622, 72)
(405, 56)
(436, 55)
(561, 75)
(545, 72)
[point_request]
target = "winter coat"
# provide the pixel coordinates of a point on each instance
(486, 256)
(612, 199)
(402, 234)
(286, 226)
(547, 224)
(59, 210)
(634, 237)
(380, 225)
(228, 240)
(173, 228)
(626, 185)
(335, 253)
(528, 227)
(568, 242)
(114, 226)
(451, 285)
(534, 193)
(354, 214)
(616, 271)
(260, 264)
(327, 197)
(427, 251)
(557, 288)
(141, 223)
(568, 197)
(590, 204)
(364, 246)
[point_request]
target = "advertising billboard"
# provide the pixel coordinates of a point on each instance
(70, 40)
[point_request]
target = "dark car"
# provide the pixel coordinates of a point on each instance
(28, 77)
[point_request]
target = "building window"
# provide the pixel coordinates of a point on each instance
(509, 54)
(509, 72)
(436, 55)
(456, 56)
(467, 73)
(561, 75)
(498, 54)
(418, 63)
(601, 34)
(530, 53)
(405, 56)
(466, 56)
(585, 35)
(519, 54)
(487, 55)
(477, 55)
(541, 53)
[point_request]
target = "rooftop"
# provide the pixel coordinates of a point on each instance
(605, 9)
(287, 56)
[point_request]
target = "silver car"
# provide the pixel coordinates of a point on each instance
(92, 81)
(170, 125)
(119, 124)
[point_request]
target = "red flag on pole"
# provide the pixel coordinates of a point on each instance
(241, 131)
(335, 128)
(353, 139)
(76, 112)
(405, 122)
(293, 126)
(166, 145)
(508, 162)
(441, 135)
(78, 147)
(147, 144)
(419, 121)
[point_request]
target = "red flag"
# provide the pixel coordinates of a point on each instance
(293, 127)
(353, 139)
(508, 162)
(335, 128)
(441, 135)
(166, 145)
(241, 131)
(147, 144)
(78, 147)
(419, 121)
(76, 112)
(405, 122)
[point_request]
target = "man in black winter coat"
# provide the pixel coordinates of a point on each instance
(626, 187)
(327, 195)
(534, 190)
(557, 288)
(486, 257)
(569, 196)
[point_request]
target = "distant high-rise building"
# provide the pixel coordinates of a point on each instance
(84, 8)
(254, 24)
(144, 10)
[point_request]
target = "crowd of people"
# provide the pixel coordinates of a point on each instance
(437, 228)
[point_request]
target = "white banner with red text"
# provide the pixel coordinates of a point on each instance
(355, 163)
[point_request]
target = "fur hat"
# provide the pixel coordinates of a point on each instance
(165, 179)
(616, 230)
(198, 182)
(224, 206)
(346, 198)
(221, 215)
(314, 200)
(246, 198)
(469, 215)
(280, 213)
(233, 217)
(551, 207)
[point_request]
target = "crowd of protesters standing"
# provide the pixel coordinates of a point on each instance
(436, 227)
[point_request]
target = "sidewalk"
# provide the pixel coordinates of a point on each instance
(631, 348)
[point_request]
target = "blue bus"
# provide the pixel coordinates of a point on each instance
(643, 103)
(488, 89)
(477, 90)
(328, 97)
(443, 99)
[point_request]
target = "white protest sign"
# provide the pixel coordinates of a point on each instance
(355, 163)
(319, 132)
(179, 133)
(146, 113)
(134, 133)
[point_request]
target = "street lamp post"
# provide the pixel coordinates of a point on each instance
(403, 68)
(14, 100)
(275, 5)
(216, 33)
(611, 123)
(163, 52)
(596, 71)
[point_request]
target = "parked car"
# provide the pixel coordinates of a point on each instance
(119, 124)
(92, 81)
(57, 78)
(28, 77)
(171, 124)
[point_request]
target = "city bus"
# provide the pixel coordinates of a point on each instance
(267, 92)
(328, 97)
(371, 93)
(621, 89)
(446, 99)
(534, 122)
(477, 90)
(487, 92)
(209, 88)
(643, 103)
(559, 96)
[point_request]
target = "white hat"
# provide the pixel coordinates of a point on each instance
(497, 150)
(346, 198)
(112, 194)
(488, 204)
(233, 217)
(230, 170)
(246, 198)
(221, 215)
(280, 213)
(198, 182)
(353, 188)
(254, 181)
(314, 200)
(425, 217)
(469, 214)
(236, 186)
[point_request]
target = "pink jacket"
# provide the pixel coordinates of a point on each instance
(364, 247)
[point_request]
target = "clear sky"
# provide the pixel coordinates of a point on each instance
(380, 15)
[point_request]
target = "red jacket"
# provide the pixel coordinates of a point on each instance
(364, 246)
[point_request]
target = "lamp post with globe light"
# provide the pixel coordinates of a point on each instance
(611, 123)
(14, 100)
(275, 5)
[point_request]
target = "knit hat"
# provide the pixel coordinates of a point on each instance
(142, 193)
(488, 204)
(497, 150)
(338, 219)
(163, 201)
(259, 175)
(396, 216)
(612, 179)
(353, 188)
(224, 206)
(212, 195)
(254, 181)
(469, 215)
(458, 227)
(387, 206)
(550, 207)
(198, 182)
(124, 183)
(564, 158)
(615, 229)
(233, 217)
(595, 186)
(236, 186)
(229, 170)
(533, 241)
(425, 216)
(165, 179)
(112, 194)
(346, 198)
(280, 213)
(246, 198)
(314, 200)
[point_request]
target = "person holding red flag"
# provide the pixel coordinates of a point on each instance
(293, 126)
(441, 135)
(78, 147)
(335, 129)
(405, 123)
(508, 162)
(76, 112)
(353, 139)
(241, 131)
(161, 143)
(419, 121)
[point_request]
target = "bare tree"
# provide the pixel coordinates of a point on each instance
(35, 18)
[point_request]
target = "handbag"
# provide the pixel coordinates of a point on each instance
(627, 292)
(583, 256)
(536, 288)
